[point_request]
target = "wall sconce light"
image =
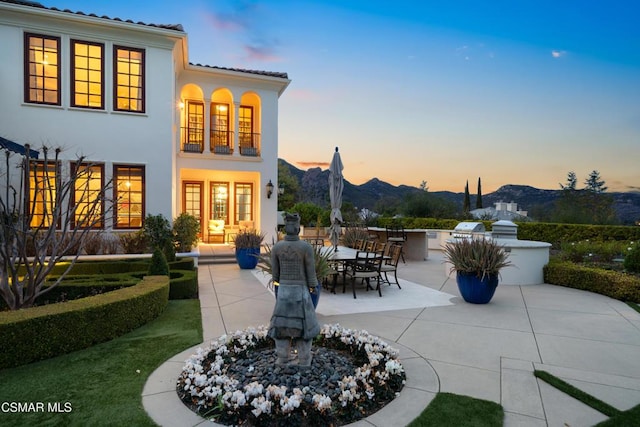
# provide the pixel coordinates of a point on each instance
(269, 189)
(281, 190)
(181, 105)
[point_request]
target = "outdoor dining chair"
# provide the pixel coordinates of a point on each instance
(390, 264)
(366, 267)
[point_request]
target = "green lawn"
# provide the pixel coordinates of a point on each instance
(101, 385)
(448, 409)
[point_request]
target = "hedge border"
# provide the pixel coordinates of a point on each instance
(47, 331)
(623, 287)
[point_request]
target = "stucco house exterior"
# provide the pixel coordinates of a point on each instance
(174, 136)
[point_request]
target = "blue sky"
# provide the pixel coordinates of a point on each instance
(511, 91)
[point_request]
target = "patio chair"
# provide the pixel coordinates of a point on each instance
(216, 229)
(390, 265)
(365, 268)
(397, 235)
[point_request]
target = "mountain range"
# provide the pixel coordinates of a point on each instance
(314, 184)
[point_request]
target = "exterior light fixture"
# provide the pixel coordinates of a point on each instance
(281, 189)
(269, 189)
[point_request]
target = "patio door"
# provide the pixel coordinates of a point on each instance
(193, 201)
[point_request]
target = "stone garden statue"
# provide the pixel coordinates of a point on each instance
(294, 317)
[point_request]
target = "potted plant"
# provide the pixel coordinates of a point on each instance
(322, 267)
(477, 263)
(247, 244)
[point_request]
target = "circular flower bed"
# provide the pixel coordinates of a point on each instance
(209, 382)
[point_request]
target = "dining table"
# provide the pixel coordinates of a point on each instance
(342, 255)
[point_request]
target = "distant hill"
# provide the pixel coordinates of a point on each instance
(315, 188)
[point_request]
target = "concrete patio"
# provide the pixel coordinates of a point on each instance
(484, 351)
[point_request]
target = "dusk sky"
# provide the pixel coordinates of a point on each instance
(511, 91)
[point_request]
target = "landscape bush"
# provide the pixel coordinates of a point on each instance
(614, 284)
(50, 330)
(632, 258)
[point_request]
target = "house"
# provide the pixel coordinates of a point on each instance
(502, 211)
(174, 136)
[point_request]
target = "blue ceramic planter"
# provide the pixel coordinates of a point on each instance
(247, 257)
(476, 290)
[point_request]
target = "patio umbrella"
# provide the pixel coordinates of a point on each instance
(336, 185)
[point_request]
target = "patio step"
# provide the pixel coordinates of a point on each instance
(217, 259)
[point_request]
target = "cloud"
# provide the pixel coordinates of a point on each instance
(313, 164)
(558, 53)
(261, 53)
(244, 25)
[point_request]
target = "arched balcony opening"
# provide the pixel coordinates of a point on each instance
(249, 115)
(221, 131)
(192, 124)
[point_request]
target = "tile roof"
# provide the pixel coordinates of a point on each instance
(241, 70)
(175, 27)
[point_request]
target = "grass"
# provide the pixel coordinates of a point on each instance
(633, 305)
(101, 385)
(448, 409)
(628, 418)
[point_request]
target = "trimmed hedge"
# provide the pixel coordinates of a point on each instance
(46, 331)
(624, 287)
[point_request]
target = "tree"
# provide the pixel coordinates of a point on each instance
(46, 213)
(466, 205)
(588, 206)
(572, 182)
(290, 186)
(594, 183)
(479, 196)
(424, 186)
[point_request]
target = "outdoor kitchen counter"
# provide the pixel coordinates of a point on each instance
(416, 248)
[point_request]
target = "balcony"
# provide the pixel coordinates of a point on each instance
(249, 144)
(191, 140)
(221, 141)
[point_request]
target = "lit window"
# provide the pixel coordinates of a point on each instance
(88, 187)
(220, 201)
(128, 66)
(129, 195)
(87, 74)
(244, 202)
(41, 69)
(220, 127)
(245, 126)
(42, 192)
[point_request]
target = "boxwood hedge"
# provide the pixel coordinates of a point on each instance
(46, 331)
(621, 286)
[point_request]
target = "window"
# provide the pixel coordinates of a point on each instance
(43, 183)
(192, 202)
(88, 188)
(244, 204)
(220, 127)
(129, 194)
(245, 126)
(195, 127)
(128, 82)
(220, 201)
(41, 69)
(87, 74)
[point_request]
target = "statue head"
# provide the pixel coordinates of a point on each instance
(292, 224)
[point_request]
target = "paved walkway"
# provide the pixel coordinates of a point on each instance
(484, 351)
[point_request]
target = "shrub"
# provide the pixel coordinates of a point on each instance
(158, 265)
(93, 243)
(133, 243)
(110, 244)
(621, 286)
(351, 234)
(632, 258)
(185, 229)
(592, 250)
(43, 332)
